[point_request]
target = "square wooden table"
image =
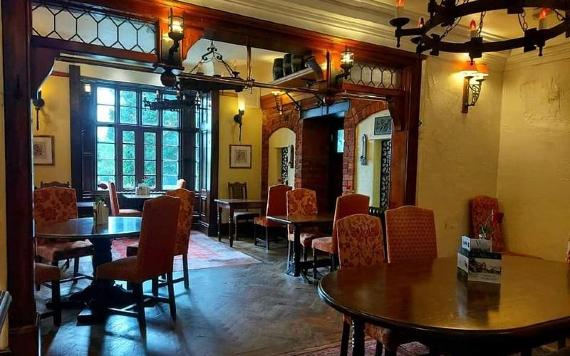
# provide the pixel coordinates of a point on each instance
(231, 205)
(299, 222)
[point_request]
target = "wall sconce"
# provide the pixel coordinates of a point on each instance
(38, 105)
(473, 77)
(364, 155)
(346, 63)
(238, 118)
(278, 102)
(170, 47)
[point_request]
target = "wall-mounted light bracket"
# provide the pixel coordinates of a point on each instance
(364, 155)
(473, 77)
(298, 106)
(39, 103)
(238, 119)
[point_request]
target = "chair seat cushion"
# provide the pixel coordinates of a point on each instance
(46, 273)
(130, 212)
(61, 250)
(124, 269)
(264, 221)
(306, 237)
(245, 215)
(324, 244)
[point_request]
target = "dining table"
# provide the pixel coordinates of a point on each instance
(298, 223)
(429, 302)
(101, 293)
(232, 205)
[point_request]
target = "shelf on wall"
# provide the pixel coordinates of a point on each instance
(297, 79)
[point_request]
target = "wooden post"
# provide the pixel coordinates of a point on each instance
(16, 32)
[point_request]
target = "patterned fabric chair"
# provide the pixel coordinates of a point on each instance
(360, 244)
(410, 234)
(181, 184)
(184, 228)
(44, 274)
(346, 205)
(114, 202)
(238, 190)
(302, 201)
(276, 206)
(481, 208)
(53, 205)
(154, 258)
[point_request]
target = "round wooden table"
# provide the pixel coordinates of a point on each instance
(100, 294)
(430, 303)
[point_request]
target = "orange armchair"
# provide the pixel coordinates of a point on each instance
(114, 202)
(276, 206)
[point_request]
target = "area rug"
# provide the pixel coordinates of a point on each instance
(203, 252)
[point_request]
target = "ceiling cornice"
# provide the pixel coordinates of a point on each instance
(559, 51)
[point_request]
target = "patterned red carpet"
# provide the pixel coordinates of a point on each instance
(203, 252)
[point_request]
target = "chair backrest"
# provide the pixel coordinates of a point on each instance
(277, 200)
(184, 218)
(346, 205)
(181, 184)
(237, 190)
(158, 236)
(410, 234)
(113, 199)
(480, 209)
(54, 204)
(360, 241)
(55, 184)
(302, 201)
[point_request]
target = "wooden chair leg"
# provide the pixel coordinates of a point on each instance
(56, 302)
(344, 339)
(138, 291)
(155, 286)
(171, 299)
(186, 272)
(75, 266)
(305, 255)
(266, 239)
(255, 234)
(379, 348)
(236, 229)
(315, 263)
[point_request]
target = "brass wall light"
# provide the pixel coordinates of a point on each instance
(473, 77)
(238, 118)
(278, 102)
(346, 63)
(364, 155)
(170, 53)
(39, 103)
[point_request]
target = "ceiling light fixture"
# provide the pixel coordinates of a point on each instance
(446, 15)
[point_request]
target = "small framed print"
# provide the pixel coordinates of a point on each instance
(240, 156)
(43, 151)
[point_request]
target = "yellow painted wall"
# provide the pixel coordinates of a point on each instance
(283, 137)
(54, 121)
(458, 153)
(229, 134)
(534, 159)
(3, 265)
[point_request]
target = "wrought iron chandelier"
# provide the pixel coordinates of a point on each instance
(446, 15)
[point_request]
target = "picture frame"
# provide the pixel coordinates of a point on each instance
(240, 156)
(43, 151)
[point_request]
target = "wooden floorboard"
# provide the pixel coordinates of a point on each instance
(246, 310)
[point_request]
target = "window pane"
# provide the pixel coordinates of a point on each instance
(106, 96)
(149, 153)
(128, 151)
(150, 181)
(170, 138)
(128, 115)
(149, 167)
(128, 98)
(105, 113)
(128, 137)
(149, 138)
(128, 182)
(149, 117)
(170, 153)
(169, 182)
(105, 134)
(128, 167)
(170, 118)
(170, 168)
(340, 141)
(105, 179)
(105, 151)
(105, 167)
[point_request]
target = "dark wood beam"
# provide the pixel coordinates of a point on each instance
(16, 32)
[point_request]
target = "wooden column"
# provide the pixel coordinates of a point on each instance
(16, 32)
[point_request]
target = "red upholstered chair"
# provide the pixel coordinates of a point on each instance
(276, 206)
(346, 205)
(154, 258)
(237, 190)
(410, 234)
(480, 209)
(360, 244)
(114, 202)
(181, 184)
(302, 201)
(54, 205)
(184, 228)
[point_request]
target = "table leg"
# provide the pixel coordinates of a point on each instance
(358, 349)
(297, 250)
(230, 229)
(220, 223)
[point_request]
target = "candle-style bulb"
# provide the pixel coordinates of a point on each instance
(542, 18)
(399, 7)
(421, 22)
(473, 28)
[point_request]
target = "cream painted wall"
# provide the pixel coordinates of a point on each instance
(458, 153)
(229, 134)
(534, 158)
(54, 121)
(283, 137)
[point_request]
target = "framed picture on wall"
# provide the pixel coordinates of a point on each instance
(43, 151)
(240, 156)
